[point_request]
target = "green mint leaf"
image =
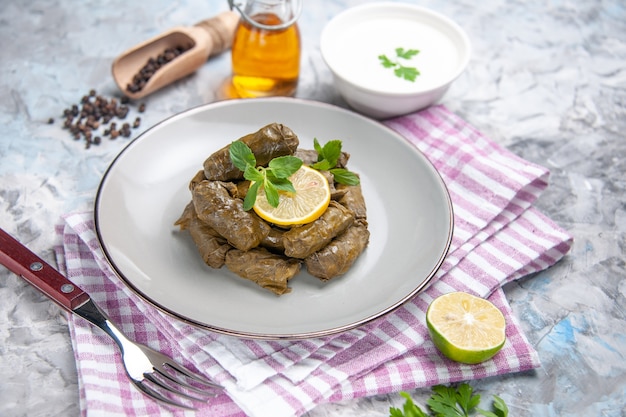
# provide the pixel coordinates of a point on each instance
(343, 176)
(241, 155)
(283, 184)
(248, 202)
(332, 151)
(322, 165)
(318, 148)
(386, 62)
(408, 73)
(406, 53)
(271, 193)
(253, 174)
(285, 166)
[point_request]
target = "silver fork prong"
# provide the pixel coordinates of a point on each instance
(149, 369)
(191, 375)
(159, 397)
(185, 384)
(173, 389)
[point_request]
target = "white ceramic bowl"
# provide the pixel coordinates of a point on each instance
(352, 42)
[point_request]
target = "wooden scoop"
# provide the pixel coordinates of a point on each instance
(205, 39)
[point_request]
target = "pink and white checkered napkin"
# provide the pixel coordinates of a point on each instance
(498, 238)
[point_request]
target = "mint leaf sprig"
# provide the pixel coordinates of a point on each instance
(273, 178)
(328, 156)
(400, 70)
(450, 402)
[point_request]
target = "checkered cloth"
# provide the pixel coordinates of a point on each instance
(498, 237)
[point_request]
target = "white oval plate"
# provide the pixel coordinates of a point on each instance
(145, 190)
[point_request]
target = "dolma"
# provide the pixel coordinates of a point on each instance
(301, 241)
(214, 206)
(334, 193)
(339, 255)
(353, 199)
(198, 178)
(268, 270)
(267, 143)
(274, 240)
(211, 245)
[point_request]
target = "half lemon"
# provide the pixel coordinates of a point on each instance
(309, 202)
(466, 328)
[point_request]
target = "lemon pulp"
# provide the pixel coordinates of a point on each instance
(307, 204)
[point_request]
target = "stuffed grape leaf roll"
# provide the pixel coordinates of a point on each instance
(353, 199)
(267, 143)
(301, 241)
(211, 245)
(215, 206)
(339, 255)
(268, 270)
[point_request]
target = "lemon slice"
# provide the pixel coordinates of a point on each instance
(306, 205)
(466, 328)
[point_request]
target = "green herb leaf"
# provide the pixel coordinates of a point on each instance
(328, 156)
(271, 193)
(283, 184)
(409, 409)
(500, 407)
(248, 202)
(386, 62)
(272, 179)
(466, 399)
(408, 73)
(285, 166)
(343, 176)
(450, 402)
(443, 402)
(322, 165)
(253, 174)
(331, 151)
(241, 155)
(406, 54)
(399, 69)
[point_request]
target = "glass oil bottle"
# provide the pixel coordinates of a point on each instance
(266, 49)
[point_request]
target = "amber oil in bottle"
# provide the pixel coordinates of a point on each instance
(266, 62)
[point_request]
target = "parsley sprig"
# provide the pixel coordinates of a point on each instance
(328, 157)
(272, 178)
(401, 71)
(450, 402)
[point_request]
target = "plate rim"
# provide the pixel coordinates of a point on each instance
(258, 335)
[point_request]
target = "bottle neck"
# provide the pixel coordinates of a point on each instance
(288, 11)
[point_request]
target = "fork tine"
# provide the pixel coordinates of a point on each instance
(191, 375)
(158, 396)
(178, 381)
(172, 389)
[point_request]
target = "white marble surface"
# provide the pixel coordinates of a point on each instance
(547, 80)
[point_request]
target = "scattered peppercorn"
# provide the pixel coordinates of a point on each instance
(152, 65)
(95, 112)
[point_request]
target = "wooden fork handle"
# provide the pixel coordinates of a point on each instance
(21, 261)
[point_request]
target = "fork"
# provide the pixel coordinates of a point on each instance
(152, 372)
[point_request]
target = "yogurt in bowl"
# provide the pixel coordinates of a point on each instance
(390, 59)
